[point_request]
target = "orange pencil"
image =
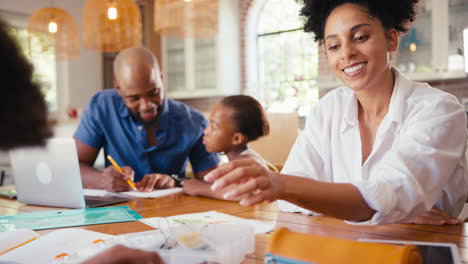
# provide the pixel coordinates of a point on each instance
(120, 170)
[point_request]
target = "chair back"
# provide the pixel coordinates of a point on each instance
(284, 128)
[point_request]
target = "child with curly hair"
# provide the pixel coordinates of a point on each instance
(382, 149)
(234, 122)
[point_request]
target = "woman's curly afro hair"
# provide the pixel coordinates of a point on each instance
(393, 14)
(23, 111)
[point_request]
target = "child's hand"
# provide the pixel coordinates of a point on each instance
(155, 181)
(255, 184)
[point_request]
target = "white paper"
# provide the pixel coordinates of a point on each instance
(209, 217)
(153, 194)
(14, 238)
(47, 247)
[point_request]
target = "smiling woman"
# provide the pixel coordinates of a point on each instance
(381, 149)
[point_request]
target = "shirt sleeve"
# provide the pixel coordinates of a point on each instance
(304, 158)
(411, 177)
(89, 130)
(200, 158)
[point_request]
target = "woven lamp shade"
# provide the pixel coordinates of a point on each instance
(182, 19)
(102, 33)
(66, 36)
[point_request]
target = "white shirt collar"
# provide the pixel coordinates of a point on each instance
(396, 109)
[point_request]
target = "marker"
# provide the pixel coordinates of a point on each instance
(120, 170)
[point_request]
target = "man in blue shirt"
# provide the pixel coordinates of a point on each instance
(149, 135)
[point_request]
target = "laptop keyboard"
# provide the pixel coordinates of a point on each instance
(96, 201)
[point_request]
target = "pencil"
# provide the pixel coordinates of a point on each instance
(109, 157)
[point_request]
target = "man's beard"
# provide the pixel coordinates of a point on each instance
(154, 121)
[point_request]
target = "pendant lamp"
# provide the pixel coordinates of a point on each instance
(186, 18)
(111, 25)
(63, 29)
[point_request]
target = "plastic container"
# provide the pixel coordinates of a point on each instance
(228, 244)
(224, 243)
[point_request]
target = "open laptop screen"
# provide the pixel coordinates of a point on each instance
(50, 176)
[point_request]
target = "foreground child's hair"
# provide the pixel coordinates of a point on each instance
(249, 116)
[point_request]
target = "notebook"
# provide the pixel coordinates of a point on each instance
(50, 176)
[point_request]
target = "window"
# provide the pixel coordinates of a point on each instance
(415, 49)
(434, 44)
(190, 66)
(287, 59)
(458, 13)
(39, 49)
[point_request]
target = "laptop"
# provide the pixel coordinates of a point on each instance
(50, 176)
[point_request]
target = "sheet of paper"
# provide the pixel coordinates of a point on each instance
(12, 239)
(153, 194)
(209, 217)
(45, 248)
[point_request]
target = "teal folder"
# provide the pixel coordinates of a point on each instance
(68, 218)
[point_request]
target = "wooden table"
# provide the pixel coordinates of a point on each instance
(181, 204)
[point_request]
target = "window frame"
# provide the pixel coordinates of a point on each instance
(190, 90)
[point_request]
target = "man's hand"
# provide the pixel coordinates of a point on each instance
(155, 181)
(435, 216)
(124, 255)
(115, 181)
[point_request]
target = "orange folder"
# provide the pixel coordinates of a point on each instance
(286, 246)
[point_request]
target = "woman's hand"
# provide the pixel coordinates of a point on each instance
(435, 216)
(255, 183)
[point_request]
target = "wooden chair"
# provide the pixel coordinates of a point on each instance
(284, 128)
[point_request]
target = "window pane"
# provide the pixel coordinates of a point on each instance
(415, 51)
(205, 64)
(288, 71)
(175, 64)
(280, 15)
(458, 14)
(287, 59)
(39, 49)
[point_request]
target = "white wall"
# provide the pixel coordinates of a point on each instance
(79, 79)
(229, 47)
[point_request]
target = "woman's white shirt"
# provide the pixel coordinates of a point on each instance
(417, 160)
